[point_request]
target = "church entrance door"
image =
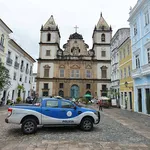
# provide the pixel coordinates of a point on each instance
(74, 91)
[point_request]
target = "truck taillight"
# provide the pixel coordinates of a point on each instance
(9, 111)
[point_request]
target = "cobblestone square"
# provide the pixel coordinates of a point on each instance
(118, 130)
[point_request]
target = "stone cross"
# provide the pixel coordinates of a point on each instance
(76, 27)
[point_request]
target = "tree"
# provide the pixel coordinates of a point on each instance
(4, 77)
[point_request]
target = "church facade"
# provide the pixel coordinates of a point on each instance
(75, 70)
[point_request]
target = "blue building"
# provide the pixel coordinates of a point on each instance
(140, 38)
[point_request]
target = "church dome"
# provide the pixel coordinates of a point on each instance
(76, 36)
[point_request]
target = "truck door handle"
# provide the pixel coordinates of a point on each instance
(63, 110)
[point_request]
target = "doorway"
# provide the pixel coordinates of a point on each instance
(61, 93)
(13, 94)
(130, 97)
(147, 100)
(74, 91)
(140, 100)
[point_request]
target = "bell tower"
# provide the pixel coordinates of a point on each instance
(48, 47)
(49, 40)
(102, 35)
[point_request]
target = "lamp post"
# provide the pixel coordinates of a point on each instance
(126, 85)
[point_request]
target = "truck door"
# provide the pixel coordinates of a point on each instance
(50, 112)
(68, 112)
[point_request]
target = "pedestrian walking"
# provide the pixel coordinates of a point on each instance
(100, 105)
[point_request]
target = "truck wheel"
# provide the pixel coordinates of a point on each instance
(86, 124)
(29, 126)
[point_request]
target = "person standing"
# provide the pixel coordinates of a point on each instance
(100, 105)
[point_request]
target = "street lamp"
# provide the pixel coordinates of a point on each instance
(126, 85)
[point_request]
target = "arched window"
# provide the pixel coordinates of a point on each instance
(48, 37)
(2, 39)
(103, 37)
(104, 72)
(46, 71)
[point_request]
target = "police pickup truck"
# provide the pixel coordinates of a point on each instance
(52, 112)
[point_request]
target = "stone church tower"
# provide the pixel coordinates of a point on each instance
(102, 35)
(76, 70)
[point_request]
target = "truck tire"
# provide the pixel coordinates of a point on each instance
(86, 124)
(29, 126)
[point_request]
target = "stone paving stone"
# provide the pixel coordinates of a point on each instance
(40, 149)
(29, 148)
(52, 147)
(10, 146)
(75, 148)
(50, 142)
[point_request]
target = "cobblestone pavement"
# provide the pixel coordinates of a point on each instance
(118, 130)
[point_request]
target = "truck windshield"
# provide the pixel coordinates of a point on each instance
(37, 101)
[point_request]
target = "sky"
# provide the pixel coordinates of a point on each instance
(25, 17)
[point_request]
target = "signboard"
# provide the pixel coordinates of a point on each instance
(113, 102)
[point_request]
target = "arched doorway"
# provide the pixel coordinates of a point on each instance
(74, 91)
(61, 93)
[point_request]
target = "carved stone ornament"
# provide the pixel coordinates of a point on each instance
(91, 52)
(46, 66)
(104, 67)
(75, 67)
(59, 52)
(62, 66)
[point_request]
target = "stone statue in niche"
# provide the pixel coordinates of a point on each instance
(75, 50)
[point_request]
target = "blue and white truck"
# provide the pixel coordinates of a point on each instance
(52, 112)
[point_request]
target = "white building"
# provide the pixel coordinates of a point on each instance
(19, 64)
(119, 37)
(33, 84)
(5, 31)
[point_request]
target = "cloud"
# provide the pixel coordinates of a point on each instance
(25, 18)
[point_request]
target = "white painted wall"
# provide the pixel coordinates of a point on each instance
(99, 88)
(14, 83)
(99, 65)
(98, 53)
(41, 86)
(51, 70)
(54, 37)
(53, 50)
(98, 37)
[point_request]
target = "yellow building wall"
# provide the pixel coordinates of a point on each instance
(125, 62)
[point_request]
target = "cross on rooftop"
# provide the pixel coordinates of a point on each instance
(76, 27)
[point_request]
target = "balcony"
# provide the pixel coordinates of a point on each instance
(1, 47)
(27, 71)
(22, 68)
(9, 61)
(137, 73)
(146, 69)
(16, 65)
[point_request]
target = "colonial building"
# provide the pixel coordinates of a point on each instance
(74, 70)
(33, 84)
(140, 38)
(20, 64)
(126, 81)
(5, 31)
(119, 37)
